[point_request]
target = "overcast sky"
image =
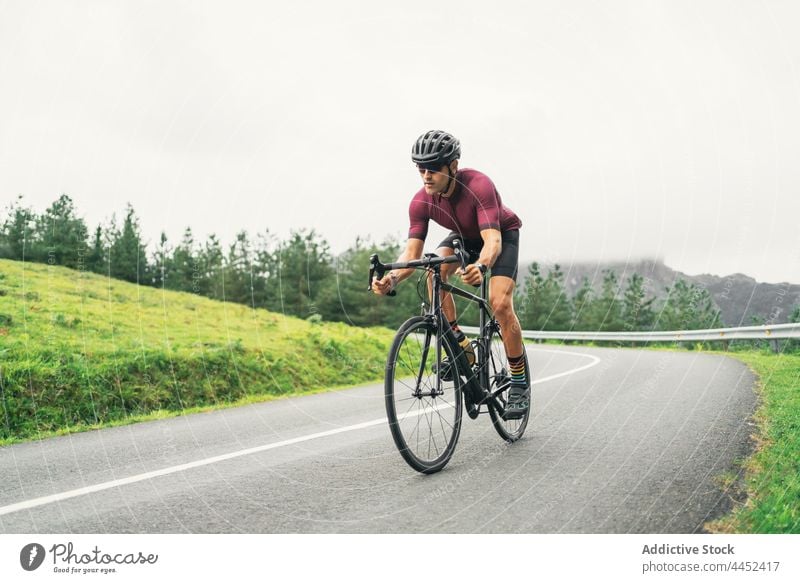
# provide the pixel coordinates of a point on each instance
(615, 130)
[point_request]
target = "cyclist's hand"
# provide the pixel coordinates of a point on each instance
(472, 275)
(382, 286)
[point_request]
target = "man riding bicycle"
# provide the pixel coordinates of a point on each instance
(466, 202)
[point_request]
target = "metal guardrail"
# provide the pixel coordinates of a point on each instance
(773, 333)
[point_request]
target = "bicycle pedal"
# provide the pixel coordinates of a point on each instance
(513, 414)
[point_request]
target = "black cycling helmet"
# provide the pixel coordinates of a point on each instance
(435, 149)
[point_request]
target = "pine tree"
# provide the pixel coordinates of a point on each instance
(302, 269)
(18, 234)
(262, 266)
(605, 314)
(97, 257)
(543, 304)
(127, 255)
(61, 236)
(347, 297)
(243, 280)
(341, 301)
(161, 264)
(688, 307)
(185, 268)
(637, 311)
(582, 307)
(211, 261)
(559, 306)
(526, 299)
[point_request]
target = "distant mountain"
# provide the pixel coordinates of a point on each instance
(738, 296)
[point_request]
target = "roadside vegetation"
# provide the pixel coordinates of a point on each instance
(80, 350)
(772, 473)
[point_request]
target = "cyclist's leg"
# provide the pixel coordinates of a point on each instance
(446, 270)
(501, 298)
(501, 294)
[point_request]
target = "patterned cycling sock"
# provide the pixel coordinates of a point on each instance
(516, 367)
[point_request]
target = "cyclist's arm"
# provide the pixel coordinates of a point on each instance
(492, 246)
(488, 217)
(412, 251)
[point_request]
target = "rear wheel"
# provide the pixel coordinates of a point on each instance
(499, 383)
(424, 411)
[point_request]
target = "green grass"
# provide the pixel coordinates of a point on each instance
(79, 351)
(772, 473)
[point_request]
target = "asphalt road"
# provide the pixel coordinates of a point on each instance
(621, 441)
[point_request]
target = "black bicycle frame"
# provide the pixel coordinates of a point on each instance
(484, 350)
(433, 263)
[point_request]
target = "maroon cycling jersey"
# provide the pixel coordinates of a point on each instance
(474, 205)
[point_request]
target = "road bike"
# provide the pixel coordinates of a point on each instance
(424, 392)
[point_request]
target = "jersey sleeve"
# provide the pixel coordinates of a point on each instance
(487, 204)
(418, 218)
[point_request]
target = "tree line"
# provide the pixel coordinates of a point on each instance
(543, 304)
(300, 276)
(297, 275)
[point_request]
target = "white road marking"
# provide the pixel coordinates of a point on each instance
(595, 360)
(34, 502)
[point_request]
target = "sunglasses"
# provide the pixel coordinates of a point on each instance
(430, 167)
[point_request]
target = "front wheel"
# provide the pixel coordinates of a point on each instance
(423, 409)
(499, 383)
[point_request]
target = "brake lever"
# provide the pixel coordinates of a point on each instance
(373, 263)
(459, 252)
(375, 266)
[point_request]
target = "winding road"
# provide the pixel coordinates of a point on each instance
(621, 441)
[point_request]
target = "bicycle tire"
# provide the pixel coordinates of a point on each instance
(410, 397)
(512, 429)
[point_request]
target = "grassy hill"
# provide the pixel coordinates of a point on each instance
(78, 350)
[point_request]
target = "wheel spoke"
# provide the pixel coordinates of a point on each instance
(444, 432)
(431, 436)
(437, 410)
(426, 444)
(417, 431)
(424, 413)
(404, 415)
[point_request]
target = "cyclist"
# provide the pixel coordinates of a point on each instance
(466, 202)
